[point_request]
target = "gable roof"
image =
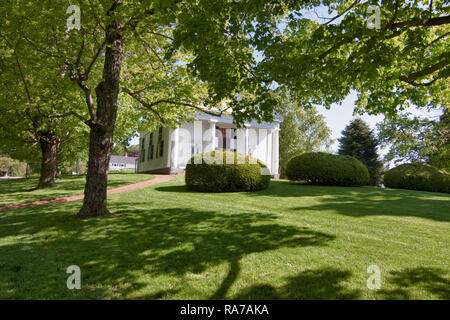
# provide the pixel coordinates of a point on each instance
(229, 119)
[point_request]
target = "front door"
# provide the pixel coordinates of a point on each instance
(226, 139)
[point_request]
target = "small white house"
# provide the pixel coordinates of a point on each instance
(167, 150)
(122, 162)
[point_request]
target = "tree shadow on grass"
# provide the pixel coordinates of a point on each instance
(364, 201)
(117, 251)
(219, 238)
(175, 188)
(17, 185)
(325, 283)
(24, 190)
(432, 280)
(354, 201)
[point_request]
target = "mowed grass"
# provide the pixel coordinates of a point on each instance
(14, 191)
(287, 242)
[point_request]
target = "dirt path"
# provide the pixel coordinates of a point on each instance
(158, 178)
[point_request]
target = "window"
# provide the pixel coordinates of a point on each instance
(150, 148)
(160, 148)
(223, 135)
(143, 150)
(227, 139)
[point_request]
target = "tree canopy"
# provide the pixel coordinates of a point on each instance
(406, 61)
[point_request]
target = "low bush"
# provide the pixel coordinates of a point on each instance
(225, 171)
(327, 169)
(418, 177)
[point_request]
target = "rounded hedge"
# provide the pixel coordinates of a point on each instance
(225, 171)
(327, 169)
(418, 177)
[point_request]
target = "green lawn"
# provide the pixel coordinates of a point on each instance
(13, 191)
(290, 241)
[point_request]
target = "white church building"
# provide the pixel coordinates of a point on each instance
(167, 150)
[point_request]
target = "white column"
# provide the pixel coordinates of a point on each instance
(269, 149)
(212, 128)
(262, 145)
(275, 162)
(240, 141)
(198, 135)
(176, 136)
(246, 138)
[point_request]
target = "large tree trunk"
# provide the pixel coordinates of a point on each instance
(49, 149)
(102, 129)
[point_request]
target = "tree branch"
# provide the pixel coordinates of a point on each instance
(417, 84)
(416, 75)
(145, 104)
(161, 35)
(339, 15)
(98, 21)
(77, 63)
(326, 53)
(89, 100)
(76, 77)
(152, 104)
(394, 16)
(70, 113)
(436, 21)
(185, 104)
(437, 39)
(22, 76)
(94, 59)
(411, 78)
(134, 21)
(148, 47)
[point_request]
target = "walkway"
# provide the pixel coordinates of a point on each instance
(158, 178)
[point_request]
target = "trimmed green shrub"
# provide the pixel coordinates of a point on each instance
(327, 169)
(225, 171)
(418, 177)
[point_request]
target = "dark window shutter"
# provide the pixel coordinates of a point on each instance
(143, 150)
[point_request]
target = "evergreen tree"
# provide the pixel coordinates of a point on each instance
(358, 141)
